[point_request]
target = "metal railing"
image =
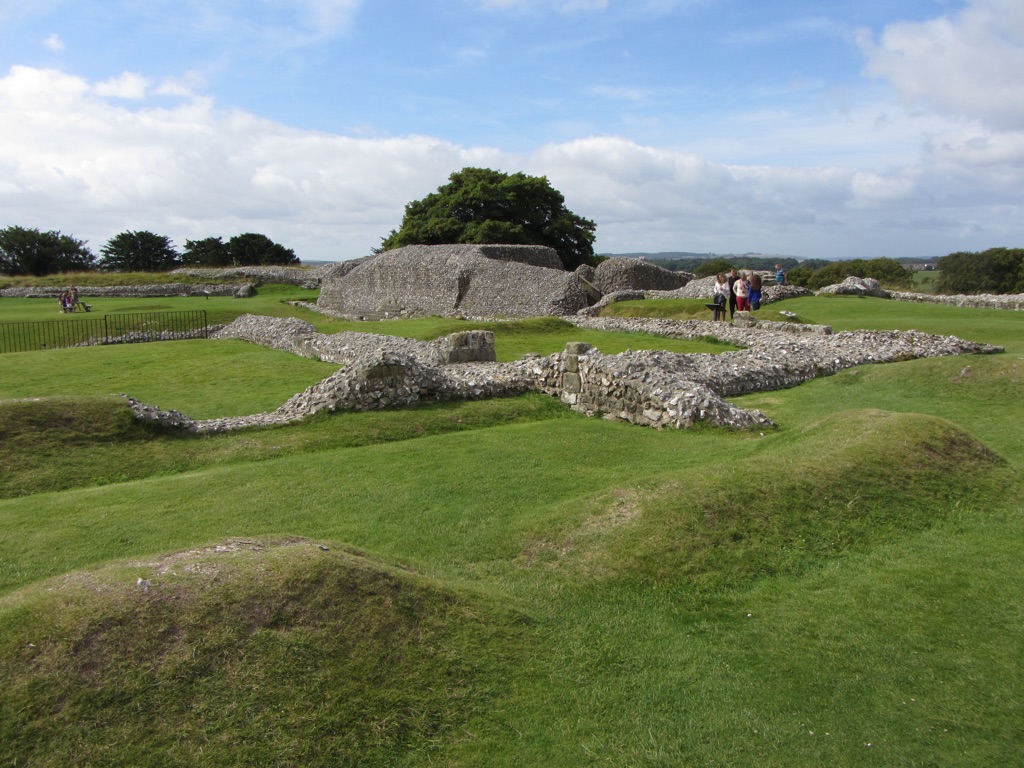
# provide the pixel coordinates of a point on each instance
(123, 328)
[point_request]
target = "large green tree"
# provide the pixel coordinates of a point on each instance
(479, 205)
(139, 252)
(208, 252)
(31, 252)
(997, 270)
(252, 249)
(246, 250)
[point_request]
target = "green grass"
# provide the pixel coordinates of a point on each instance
(179, 375)
(268, 300)
(848, 313)
(925, 280)
(508, 583)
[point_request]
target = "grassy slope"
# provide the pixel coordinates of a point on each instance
(694, 598)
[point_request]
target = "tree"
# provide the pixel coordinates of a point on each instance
(253, 249)
(713, 267)
(888, 272)
(208, 252)
(480, 205)
(997, 270)
(139, 252)
(31, 252)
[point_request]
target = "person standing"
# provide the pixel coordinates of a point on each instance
(742, 290)
(733, 277)
(755, 290)
(720, 295)
(780, 275)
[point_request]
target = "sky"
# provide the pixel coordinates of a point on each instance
(809, 128)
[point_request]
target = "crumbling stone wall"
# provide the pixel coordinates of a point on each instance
(652, 388)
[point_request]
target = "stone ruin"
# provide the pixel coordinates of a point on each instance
(651, 388)
(468, 280)
(481, 281)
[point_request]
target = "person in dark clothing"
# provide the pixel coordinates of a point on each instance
(755, 290)
(733, 277)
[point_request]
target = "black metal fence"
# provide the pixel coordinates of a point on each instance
(126, 328)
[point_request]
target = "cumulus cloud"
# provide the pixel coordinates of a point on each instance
(127, 85)
(78, 157)
(966, 64)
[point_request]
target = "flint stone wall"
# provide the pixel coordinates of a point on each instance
(306, 278)
(291, 334)
(622, 274)
(238, 290)
(474, 280)
(652, 388)
(699, 288)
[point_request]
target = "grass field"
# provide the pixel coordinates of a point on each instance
(506, 583)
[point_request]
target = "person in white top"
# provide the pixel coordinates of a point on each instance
(742, 290)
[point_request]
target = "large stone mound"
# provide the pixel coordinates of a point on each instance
(857, 286)
(622, 274)
(474, 280)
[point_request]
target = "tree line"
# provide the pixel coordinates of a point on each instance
(32, 252)
(817, 273)
(997, 270)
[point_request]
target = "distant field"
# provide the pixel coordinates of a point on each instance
(507, 583)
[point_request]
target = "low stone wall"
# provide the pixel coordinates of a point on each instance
(305, 278)
(301, 338)
(652, 388)
(1013, 301)
(702, 288)
(238, 290)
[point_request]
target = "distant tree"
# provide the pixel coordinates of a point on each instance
(997, 270)
(139, 252)
(31, 252)
(208, 252)
(253, 249)
(888, 272)
(480, 205)
(800, 276)
(811, 264)
(712, 267)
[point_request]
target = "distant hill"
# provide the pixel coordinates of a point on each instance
(680, 255)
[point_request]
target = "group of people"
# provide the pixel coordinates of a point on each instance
(741, 290)
(69, 299)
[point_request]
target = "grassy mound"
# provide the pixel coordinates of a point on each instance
(854, 480)
(60, 443)
(304, 655)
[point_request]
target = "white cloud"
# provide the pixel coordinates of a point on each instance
(77, 158)
(53, 43)
(128, 85)
(968, 64)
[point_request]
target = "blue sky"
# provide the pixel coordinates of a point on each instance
(816, 129)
